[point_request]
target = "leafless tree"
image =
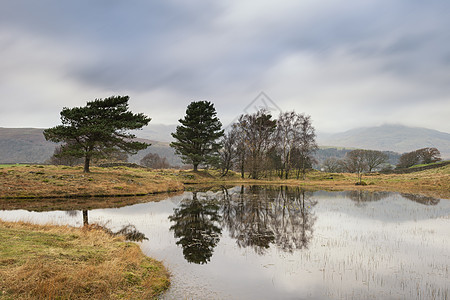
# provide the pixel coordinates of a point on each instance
(374, 159)
(257, 132)
(334, 165)
(154, 161)
(424, 156)
(356, 163)
(307, 143)
(408, 159)
(228, 152)
(241, 149)
(429, 155)
(287, 138)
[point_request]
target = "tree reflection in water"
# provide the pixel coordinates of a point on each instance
(247, 218)
(294, 218)
(197, 228)
(128, 231)
(425, 200)
(260, 216)
(362, 197)
(256, 217)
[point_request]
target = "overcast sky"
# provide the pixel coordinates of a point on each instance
(346, 63)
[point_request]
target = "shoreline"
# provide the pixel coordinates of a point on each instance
(86, 262)
(33, 183)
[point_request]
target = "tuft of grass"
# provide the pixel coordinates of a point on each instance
(55, 262)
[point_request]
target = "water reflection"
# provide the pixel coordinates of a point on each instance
(256, 217)
(197, 228)
(426, 200)
(129, 231)
(362, 197)
(72, 213)
(246, 217)
(316, 245)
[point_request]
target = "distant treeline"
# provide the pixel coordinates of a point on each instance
(322, 154)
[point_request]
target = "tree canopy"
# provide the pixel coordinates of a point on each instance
(196, 137)
(98, 129)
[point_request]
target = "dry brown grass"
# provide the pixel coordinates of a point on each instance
(57, 181)
(51, 181)
(434, 182)
(54, 262)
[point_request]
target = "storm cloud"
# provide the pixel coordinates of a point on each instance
(346, 63)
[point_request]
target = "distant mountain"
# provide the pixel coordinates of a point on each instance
(24, 145)
(156, 132)
(396, 138)
(28, 145)
(161, 148)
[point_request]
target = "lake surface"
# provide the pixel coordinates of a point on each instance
(287, 243)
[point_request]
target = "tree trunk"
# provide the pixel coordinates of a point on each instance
(85, 217)
(87, 160)
(195, 167)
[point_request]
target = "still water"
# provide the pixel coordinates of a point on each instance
(287, 243)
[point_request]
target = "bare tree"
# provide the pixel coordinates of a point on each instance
(429, 155)
(408, 159)
(356, 163)
(241, 149)
(307, 143)
(424, 156)
(287, 138)
(154, 161)
(257, 131)
(229, 150)
(334, 165)
(374, 159)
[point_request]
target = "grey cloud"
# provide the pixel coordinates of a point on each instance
(200, 49)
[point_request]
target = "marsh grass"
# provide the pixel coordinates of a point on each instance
(57, 262)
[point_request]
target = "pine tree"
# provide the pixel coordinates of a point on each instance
(197, 135)
(98, 129)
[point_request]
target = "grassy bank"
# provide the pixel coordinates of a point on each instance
(55, 262)
(51, 181)
(25, 181)
(433, 182)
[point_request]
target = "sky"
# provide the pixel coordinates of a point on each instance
(347, 64)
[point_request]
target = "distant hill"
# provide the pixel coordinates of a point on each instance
(396, 138)
(157, 132)
(323, 153)
(161, 148)
(28, 145)
(24, 145)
